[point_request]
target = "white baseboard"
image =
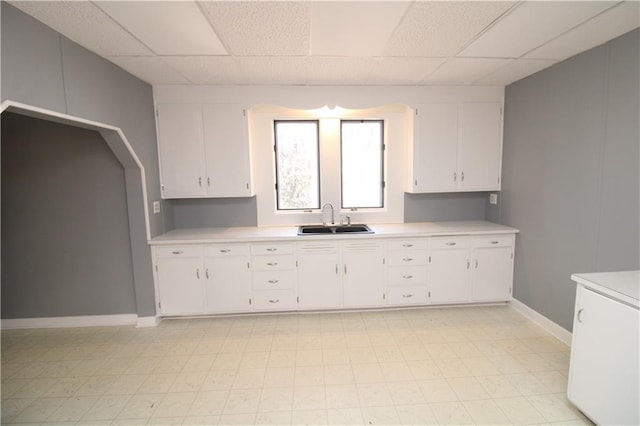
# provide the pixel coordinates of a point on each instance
(554, 329)
(66, 322)
(148, 322)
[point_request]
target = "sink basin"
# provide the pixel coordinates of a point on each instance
(333, 229)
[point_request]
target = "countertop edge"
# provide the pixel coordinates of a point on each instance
(594, 281)
(289, 233)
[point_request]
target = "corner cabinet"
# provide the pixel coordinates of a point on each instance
(457, 146)
(203, 150)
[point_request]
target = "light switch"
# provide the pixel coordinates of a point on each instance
(156, 207)
(493, 198)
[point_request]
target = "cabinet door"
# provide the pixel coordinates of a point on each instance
(227, 284)
(181, 150)
(435, 149)
(227, 150)
(603, 374)
(480, 146)
(179, 276)
(363, 274)
(492, 274)
(449, 273)
(319, 281)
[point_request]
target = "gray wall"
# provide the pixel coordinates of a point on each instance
(571, 173)
(42, 68)
(65, 230)
(220, 212)
(443, 207)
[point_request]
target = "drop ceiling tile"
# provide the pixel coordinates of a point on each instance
(87, 25)
(604, 27)
(261, 28)
(166, 27)
(339, 70)
(402, 71)
(275, 69)
(207, 69)
(464, 70)
(515, 70)
(442, 28)
(150, 69)
(351, 28)
(530, 25)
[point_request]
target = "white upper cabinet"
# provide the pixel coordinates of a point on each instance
(181, 150)
(226, 147)
(480, 146)
(457, 146)
(203, 150)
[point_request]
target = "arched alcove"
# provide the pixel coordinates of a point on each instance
(135, 189)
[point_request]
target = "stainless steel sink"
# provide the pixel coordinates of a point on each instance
(334, 229)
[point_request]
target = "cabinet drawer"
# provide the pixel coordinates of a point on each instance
(272, 280)
(225, 250)
(493, 241)
(274, 300)
(272, 263)
(406, 275)
(178, 251)
(407, 295)
(409, 244)
(276, 248)
(449, 242)
(408, 258)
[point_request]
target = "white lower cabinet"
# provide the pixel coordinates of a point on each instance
(604, 372)
(492, 258)
(227, 278)
(179, 280)
(273, 277)
(407, 271)
(363, 274)
(319, 280)
(323, 274)
(449, 270)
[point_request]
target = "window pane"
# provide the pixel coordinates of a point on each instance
(297, 165)
(362, 163)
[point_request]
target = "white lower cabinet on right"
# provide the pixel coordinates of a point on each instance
(470, 269)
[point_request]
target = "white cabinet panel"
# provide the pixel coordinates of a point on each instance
(435, 148)
(480, 146)
(227, 155)
(179, 280)
(604, 372)
(319, 280)
(449, 271)
(227, 283)
(363, 274)
(180, 150)
(492, 274)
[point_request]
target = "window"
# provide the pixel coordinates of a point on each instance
(362, 164)
(297, 165)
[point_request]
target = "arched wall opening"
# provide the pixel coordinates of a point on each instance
(106, 255)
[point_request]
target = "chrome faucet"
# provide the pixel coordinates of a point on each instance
(324, 222)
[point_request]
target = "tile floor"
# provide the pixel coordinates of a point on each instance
(465, 365)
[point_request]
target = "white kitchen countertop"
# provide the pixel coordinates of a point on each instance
(290, 233)
(622, 285)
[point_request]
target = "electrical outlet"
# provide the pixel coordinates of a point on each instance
(493, 198)
(156, 207)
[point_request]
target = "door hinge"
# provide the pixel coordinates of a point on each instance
(249, 300)
(384, 261)
(247, 186)
(244, 112)
(384, 184)
(416, 111)
(296, 263)
(162, 188)
(276, 185)
(429, 294)
(248, 265)
(298, 299)
(429, 259)
(384, 296)
(415, 182)
(156, 268)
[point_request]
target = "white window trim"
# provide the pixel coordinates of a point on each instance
(397, 119)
